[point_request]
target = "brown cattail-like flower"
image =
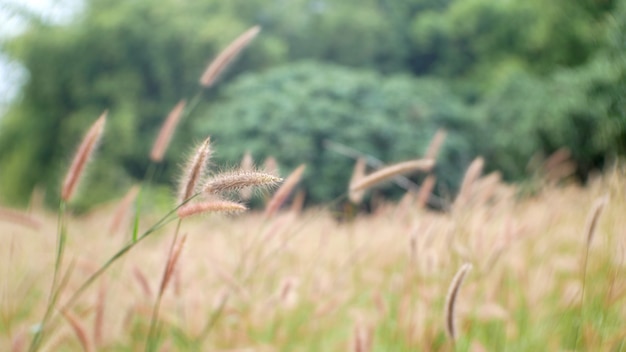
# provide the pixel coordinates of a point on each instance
(392, 171)
(83, 154)
(214, 206)
(281, 194)
(594, 216)
(237, 180)
(358, 174)
(166, 132)
(219, 64)
(453, 292)
(194, 171)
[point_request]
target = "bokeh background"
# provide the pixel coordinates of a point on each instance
(512, 81)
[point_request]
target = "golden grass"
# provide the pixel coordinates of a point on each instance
(307, 283)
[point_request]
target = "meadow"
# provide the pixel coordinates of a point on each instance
(546, 274)
(497, 267)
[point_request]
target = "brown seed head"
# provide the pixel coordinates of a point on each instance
(83, 154)
(214, 206)
(237, 180)
(219, 64)
(166, 132)
(194, 171)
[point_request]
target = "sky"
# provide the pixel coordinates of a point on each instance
(12, 75)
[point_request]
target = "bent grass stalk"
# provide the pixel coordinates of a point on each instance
(392, 171)
(451, 297)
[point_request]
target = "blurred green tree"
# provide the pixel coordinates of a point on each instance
(292, 111)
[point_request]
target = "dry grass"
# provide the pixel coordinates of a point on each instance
(307, 283)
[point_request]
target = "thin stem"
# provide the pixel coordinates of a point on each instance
(151, 340)
(54, 290)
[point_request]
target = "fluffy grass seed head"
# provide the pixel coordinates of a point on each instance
(211, 206)
(194, 171)
(236, 180)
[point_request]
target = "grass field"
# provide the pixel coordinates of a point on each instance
(302, 281)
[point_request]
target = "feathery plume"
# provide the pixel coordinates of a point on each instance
(83, 154)
(166, 132)
(594, 216)
(281, 194)
(214, 206)
(453, 292)
(194, 171)
(237, 180)
(219, 64)
(358, 174)
(435, 144)
(391, 171)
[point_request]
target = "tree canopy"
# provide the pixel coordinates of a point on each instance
(508, 79)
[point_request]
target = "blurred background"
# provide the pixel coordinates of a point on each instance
(513, 81)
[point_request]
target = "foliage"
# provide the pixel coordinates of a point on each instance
(295, 109)
(112, 58)
(551, 72)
